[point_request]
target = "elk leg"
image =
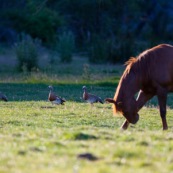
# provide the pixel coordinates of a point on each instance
(142, 99)
(125, 125)
(162, 97)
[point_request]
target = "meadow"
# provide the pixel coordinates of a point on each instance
(37, 137)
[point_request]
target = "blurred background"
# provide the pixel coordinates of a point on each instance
(103, 31)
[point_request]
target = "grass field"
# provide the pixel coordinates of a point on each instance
(36, 137)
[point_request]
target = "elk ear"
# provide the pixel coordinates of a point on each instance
(110, 100)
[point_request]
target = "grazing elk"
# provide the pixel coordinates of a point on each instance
(150, 74)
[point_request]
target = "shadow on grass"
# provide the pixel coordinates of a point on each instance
(79, 136)
(47, 107)
(87, 156)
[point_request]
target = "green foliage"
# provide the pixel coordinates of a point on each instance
(98, 53)
(43, 23)
(35, 19)
(112, 50)
(108, 29)
(123, 49)
(66, 45)
(26, 53)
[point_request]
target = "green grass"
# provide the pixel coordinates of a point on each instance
(40, 138)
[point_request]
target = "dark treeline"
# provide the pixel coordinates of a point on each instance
(108, 30)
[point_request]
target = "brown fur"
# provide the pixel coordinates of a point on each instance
(151, 73)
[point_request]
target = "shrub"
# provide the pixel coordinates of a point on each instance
(98, 52)
(26, 53)
(33, 18)
(66, 45)
(111, 50)
(120, 51)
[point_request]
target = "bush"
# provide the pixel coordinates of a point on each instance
(26, 53)
(98, 52)
(33, 18)
(112, 50)
(121, 51)
(66, 45)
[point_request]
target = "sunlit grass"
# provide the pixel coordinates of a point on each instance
(38, 137)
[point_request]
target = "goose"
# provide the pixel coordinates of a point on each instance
(54, 99)
(3, 97)
(90, 98)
